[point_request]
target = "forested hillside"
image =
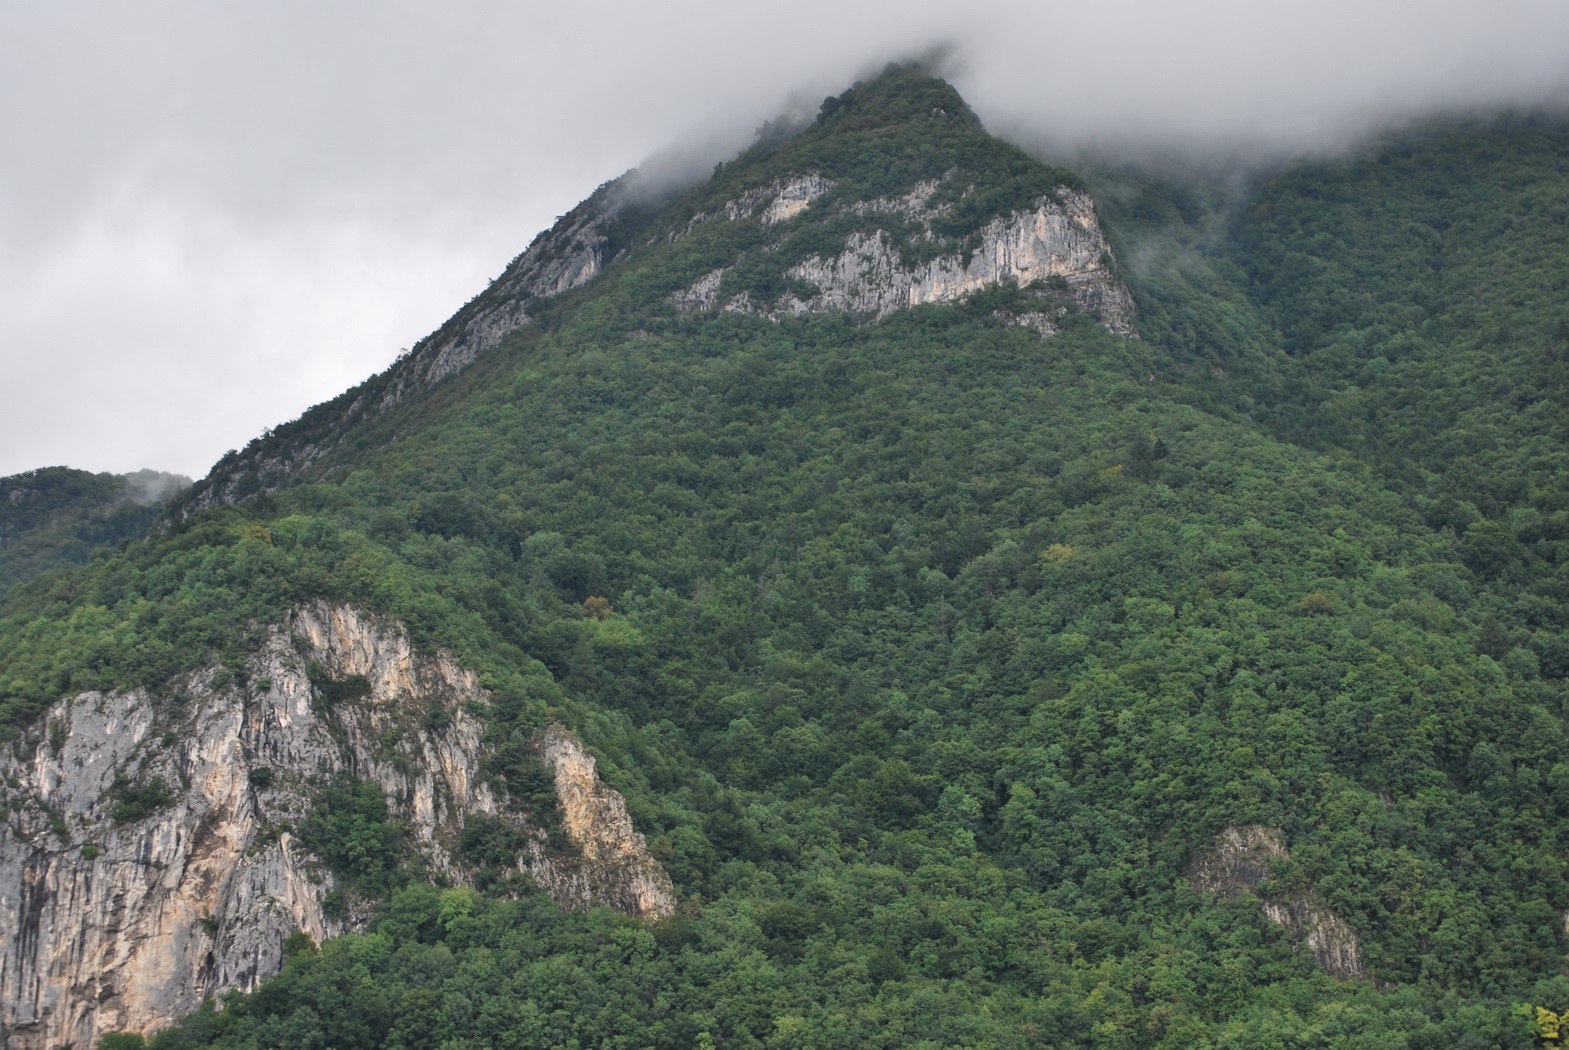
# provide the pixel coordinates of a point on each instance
(55, 516)
(933, 653)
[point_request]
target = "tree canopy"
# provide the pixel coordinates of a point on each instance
(926, 651)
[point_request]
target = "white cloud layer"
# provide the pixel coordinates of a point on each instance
(213, 215)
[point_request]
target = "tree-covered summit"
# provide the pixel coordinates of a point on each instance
(901, 94)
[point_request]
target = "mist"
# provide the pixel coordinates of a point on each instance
(213, 216)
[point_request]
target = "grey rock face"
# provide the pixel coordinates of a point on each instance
(786, 198)
(123, 921)
(1059, 239)
(1241, 859)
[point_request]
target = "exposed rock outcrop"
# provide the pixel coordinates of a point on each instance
(786, 198)
(1058, 240)
(1241, 860)
(613, 866)
(1054, 245)
(147, 858)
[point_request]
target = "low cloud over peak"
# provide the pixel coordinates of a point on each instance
(212, 216)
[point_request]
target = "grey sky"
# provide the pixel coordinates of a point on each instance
(215, 214)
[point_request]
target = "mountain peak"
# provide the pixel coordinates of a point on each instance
(968, 688)
(895, 196)
(900, 94)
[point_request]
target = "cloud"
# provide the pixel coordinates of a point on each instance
(215, 215)
(1280, 78)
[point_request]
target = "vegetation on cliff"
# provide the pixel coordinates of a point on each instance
(926, 651)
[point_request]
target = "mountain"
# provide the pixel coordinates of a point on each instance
(894, 593)
(54, 517)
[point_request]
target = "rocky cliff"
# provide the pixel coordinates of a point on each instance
(612, 866)
(1055, 246)
(148, 855)
(1241, 860)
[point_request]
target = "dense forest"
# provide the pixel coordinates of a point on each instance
(929, 652)
(56, 517)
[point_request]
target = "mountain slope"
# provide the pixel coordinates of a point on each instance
(55, 516)
(895, 185)
(1434, 339)
(973, 686)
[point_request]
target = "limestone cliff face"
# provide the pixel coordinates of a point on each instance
(123, 918)
(786, 198)
(1241, 859)
(1057, 239)
(1054, 246)
(613, 866)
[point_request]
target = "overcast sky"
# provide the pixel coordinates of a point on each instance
(215, 214)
